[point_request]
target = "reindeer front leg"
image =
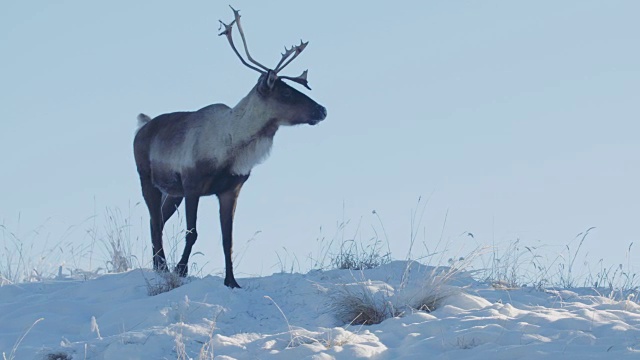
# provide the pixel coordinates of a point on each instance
(228, 201)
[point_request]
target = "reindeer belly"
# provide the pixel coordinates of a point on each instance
(198, 181)
(222, 182)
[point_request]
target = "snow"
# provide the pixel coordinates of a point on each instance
(293, 316)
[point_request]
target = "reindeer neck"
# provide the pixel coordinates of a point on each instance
(251, 118)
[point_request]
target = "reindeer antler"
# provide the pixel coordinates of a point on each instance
(228, 33)
(236, 14)
(285, 55)
(302, 79)
(295, 51)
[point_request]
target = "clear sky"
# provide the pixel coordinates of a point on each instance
(516, 119)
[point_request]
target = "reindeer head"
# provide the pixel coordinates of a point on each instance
(280, 101)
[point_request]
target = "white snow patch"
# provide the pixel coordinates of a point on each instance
(112, 317)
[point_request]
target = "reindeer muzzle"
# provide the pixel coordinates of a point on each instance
(319, 114)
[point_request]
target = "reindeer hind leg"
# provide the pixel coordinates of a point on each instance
(191, 211)
(153, 199)
(170, 205)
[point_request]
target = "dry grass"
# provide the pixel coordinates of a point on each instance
(117, 242)
(163, 282)
(12, 354)
(362, 304)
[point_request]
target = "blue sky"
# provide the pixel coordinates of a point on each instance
(515, 120)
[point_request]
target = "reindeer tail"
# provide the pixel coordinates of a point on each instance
(143, 119)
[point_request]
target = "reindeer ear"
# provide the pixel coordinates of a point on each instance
(267, 82)
(271, 79)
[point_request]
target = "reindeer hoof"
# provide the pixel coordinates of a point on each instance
(232, 283)
(182, 270)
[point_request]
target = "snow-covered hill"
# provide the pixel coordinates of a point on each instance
(295, 316)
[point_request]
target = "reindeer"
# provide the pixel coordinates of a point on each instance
(189, 154)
